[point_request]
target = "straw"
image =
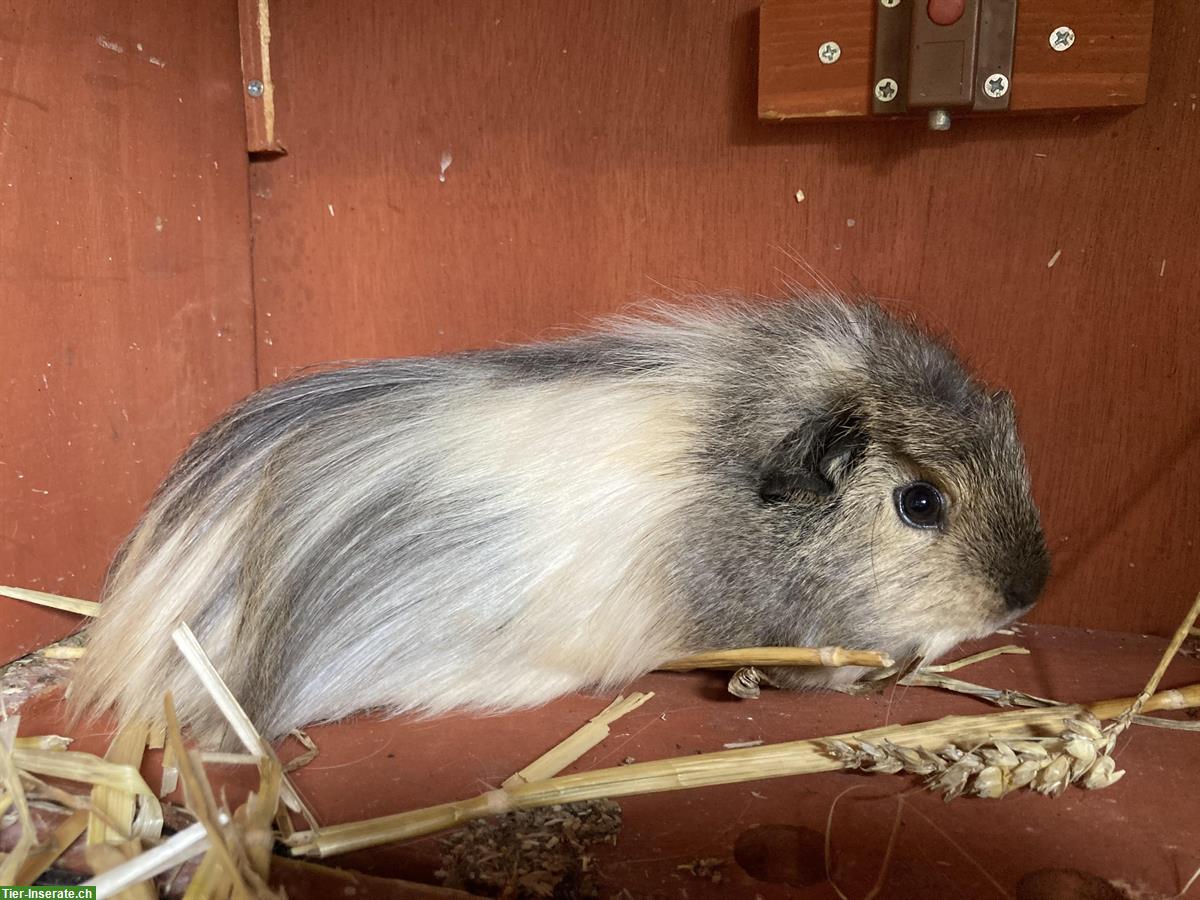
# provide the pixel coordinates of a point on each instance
(722, 767)
(234, 714)
(569, 750)
(779, 656)
(53, 601)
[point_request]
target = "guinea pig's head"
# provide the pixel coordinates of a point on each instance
(918, 529)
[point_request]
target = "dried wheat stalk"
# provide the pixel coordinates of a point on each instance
(10, 778)
(746, 683)
(42, 742)
(43, 857)
(779, 656)
(219, 872)
(105, 857)
(174, 851)
(53, 601)
(1138, 702)
(186, 641)
(975, 658)
(72, 765)
(117, 804)
(310, 751)
(722, 767)
(1003, 697)
(57, 651)
(569, 750)
(1079, 754)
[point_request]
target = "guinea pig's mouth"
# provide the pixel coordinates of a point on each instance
(933, 647)
(1008, 615)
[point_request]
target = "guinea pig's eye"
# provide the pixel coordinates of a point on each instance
(920, 505)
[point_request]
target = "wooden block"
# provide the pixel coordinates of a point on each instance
(793, 82)
(1107, 67)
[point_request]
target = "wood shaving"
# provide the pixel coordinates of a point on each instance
(710, 867)
(535, 853)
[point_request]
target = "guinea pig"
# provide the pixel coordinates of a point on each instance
(492, 529)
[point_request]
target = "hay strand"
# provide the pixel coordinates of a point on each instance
(177, 849)
(106, 857)
(53, 601)
(74, 765)
(975, 658)
(1181, 633)
(569, 750)
(16, 859)
(780, 656)
(118, 804)
(43, 742)
(1003, 697)
(57, 651)
(200, 801)
(44, 856)
(310, 751)
(186, 641)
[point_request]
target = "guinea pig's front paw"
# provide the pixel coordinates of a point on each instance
(845, 679)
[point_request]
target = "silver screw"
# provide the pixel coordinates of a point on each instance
(939, 120)
(889, 4)
(996, 86)
(886, 90)
(1061, 38)
(830, 52)
(255, 88)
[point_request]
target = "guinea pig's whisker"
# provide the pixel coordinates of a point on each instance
(871, 548)
(923, 659)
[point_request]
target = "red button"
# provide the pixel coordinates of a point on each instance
(946, 12)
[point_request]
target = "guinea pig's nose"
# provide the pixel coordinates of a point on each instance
(1017, 599)
(1023, 588)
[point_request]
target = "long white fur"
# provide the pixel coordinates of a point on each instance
(563, 463)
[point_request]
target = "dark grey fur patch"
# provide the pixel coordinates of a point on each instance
(599, 356)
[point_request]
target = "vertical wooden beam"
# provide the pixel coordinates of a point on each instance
(254, 21)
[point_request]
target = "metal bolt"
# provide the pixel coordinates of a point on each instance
(996, 86)
(939, 120)
(255, 88)
(889, 4)
(830, 52)
(1061, 38)
(886, 90)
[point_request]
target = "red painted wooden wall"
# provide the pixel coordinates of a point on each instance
(594, 153)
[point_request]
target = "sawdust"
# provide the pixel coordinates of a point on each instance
(535, 853)
(710, 868)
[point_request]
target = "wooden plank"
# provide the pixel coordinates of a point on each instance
(124, 275)
(258, 95)
(1105, 68)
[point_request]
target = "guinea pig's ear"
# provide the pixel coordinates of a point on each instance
(815, 458)
(1003, 402)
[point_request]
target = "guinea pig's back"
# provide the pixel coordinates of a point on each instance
(412, 535)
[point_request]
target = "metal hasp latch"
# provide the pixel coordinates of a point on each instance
(943, 56)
